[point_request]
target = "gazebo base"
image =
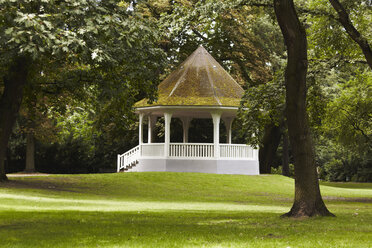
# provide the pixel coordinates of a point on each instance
(217, 166)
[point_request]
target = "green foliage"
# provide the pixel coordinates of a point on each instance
(76, 124)
(279, 170)
(345, 148)
(326, 36)
(69, 156)
(338, 163)
(88, 28)
(98, 55)
(86, 142)
(241, 38)
(260, 106)
(75, 44)
(349, 115)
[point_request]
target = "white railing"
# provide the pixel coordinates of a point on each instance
(236, 151)
(183, 150)
(152, 150)
(128, 159)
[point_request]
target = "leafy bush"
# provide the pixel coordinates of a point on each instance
(279, 170)
(338, 163)
(351, 169)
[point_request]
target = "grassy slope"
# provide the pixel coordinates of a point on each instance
(176, 210)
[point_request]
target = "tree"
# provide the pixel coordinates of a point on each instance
(10, 103)
(101, 42)
(308, 200)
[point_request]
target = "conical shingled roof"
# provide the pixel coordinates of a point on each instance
(199, 81)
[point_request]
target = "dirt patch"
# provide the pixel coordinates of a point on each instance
(273, 236)
(349, 199)
(38, 184)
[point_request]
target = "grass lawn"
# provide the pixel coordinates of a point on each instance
(176, 210)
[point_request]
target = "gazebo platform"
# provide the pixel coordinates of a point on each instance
(198, 89)
(191, 157)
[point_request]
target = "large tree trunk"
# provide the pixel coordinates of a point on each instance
(343, 18)
(30, 153)
(285, 155)
(269, 147)
(308, 201)
(10, 103)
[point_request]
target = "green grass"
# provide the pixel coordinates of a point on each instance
(176, 210)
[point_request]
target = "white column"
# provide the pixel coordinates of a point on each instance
(185, 126)
(118, 163)
(254, 150)
(167, 119)
(216, 116)
(140, 129)
(151, 121)
(255, 153)
(228, 123)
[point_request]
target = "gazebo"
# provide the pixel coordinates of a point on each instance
(198, 88)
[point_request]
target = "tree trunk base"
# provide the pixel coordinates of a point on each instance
(3, 178)
(304, 210)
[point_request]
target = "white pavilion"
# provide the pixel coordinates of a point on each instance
(198, 88)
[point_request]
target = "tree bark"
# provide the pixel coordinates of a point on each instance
(30, 153)
(285, 155)
(344, 19)
(269, 147)
(308, 201)
(10, 103)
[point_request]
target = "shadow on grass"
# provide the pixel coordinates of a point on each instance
(175, 229)
(348, 185)
(36, 184)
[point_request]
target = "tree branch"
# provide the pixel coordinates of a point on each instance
(357, 127)
(301, 10)
(199, 34)
(344, 19)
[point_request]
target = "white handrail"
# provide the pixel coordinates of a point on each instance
(236, 151)
(128, 159)
(193, 150)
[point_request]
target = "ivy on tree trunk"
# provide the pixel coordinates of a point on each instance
(308, 201)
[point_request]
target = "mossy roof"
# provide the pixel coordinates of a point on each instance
(199, 81)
